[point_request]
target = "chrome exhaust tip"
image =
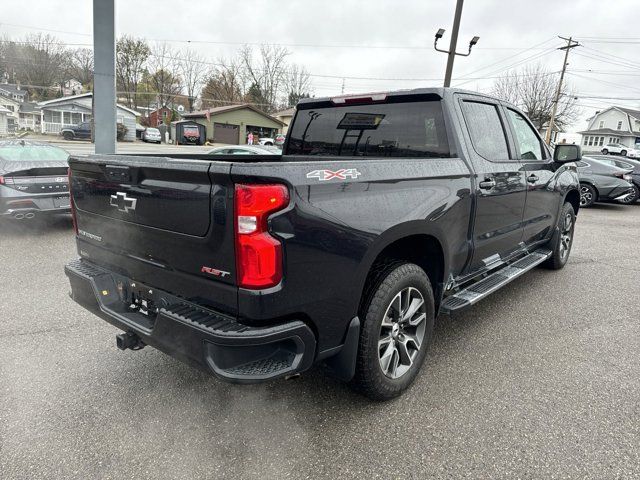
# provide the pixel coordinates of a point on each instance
(18, 216)
(29, 215)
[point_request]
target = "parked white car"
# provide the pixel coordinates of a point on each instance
(266, 141)
(151, 135)
(620, 149)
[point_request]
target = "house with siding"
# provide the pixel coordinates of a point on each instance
(14, 92)
(67, 111)
(285, 116)
(613, 125)
(231, 124)
(3, 120)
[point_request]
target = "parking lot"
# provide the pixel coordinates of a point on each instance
(541, 380)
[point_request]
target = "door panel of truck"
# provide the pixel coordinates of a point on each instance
(500, 185)
(542, 196)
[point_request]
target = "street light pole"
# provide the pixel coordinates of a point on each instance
(453, 44)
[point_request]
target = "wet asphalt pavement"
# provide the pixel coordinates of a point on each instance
(541, 380)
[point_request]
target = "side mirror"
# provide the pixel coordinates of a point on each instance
(567, 153)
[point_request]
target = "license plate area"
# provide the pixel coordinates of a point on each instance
(62, 202)
(139, 299)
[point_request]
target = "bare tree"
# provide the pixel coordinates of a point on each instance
(40, 62)
(533, 89)
(193, 70)
(82, 68)
(162, 63)
(225, 85)
(267, 74)
(131, 56)
(297, 84)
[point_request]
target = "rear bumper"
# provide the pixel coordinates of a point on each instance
(201, 337)
(23, 204)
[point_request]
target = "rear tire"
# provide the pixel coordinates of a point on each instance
(634, 198)
(67, 136)
(588, 195)
(605, 151)
(562, 240)
(623, 153)
(397, 327)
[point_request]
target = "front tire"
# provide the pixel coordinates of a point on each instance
(67, 136)
(563, 239)
(623, 153)
(605, 151)
(398, 318)
(588, 195)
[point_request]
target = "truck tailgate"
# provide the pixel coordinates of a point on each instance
(165, 222)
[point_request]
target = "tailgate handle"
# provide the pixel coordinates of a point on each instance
(118, 173)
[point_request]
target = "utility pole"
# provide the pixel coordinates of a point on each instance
(453, 44)
(570, 44)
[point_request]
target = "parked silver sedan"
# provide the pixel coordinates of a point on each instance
(151, 135)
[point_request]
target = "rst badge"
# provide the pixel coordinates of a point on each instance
(342, 174)
(215, 272)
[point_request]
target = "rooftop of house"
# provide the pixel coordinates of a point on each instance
(13, 89)
(607, 131)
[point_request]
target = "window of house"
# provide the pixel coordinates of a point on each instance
(619, 125)
(601, 125)
(601, 141)
(585, 140)
(528, 141)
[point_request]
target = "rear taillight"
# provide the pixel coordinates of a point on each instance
(258, 254)
(74, 218)
(1, 180)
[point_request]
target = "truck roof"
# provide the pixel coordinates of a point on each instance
(441, 92)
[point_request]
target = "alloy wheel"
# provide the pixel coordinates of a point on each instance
(402, 332)
(566, 235)
(586, 196)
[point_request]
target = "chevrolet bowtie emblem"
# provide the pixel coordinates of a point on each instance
(123, 203)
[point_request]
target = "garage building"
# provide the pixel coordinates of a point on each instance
(232, 124)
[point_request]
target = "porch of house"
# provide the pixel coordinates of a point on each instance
(52, 121)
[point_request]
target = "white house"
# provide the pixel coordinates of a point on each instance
(29, 116)
(67, 111)
(13, 106)
(69, 87)
(3, 120)
(613, 125)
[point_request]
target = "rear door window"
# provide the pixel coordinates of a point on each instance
(402, 129)
(486, 130)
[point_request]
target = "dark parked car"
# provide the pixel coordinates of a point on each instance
(625, 164)
(81, 131)
(33, 179)
(600, 182)
(383, 211)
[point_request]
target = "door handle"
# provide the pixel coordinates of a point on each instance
(487, 184)
(532, 178)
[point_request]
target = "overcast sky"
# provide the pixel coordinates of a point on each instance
(323, 36)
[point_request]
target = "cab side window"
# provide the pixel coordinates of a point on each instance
(526, 138)
(486, 130)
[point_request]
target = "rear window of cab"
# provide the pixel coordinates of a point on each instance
(390, 129)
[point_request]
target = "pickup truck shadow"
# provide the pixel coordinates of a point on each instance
(36, 226)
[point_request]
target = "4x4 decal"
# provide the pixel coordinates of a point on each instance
(342, 174)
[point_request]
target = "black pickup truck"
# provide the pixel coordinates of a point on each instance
(384, 211)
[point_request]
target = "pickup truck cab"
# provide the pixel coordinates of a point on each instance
(383, 211)
(80, 131)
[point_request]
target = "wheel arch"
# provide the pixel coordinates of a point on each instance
(411, 244)
(591, 184)
(573, 197)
